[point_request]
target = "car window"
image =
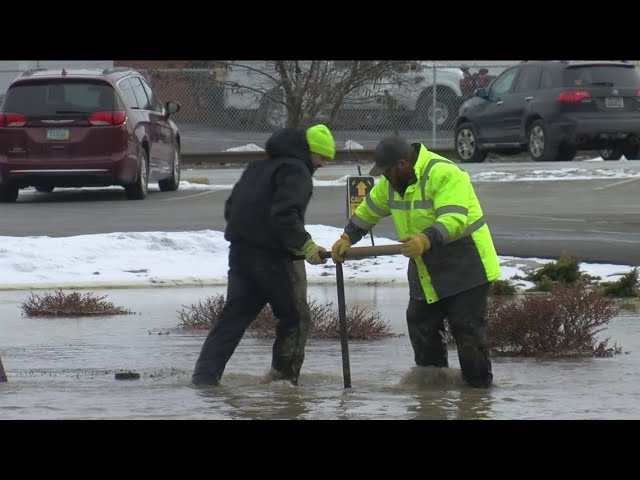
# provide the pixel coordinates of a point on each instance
(613, 75)
(58, 98)
(156, 105)
(546, 79)
(529, 79)
(127, 92)
(141, 96)
(502, 84)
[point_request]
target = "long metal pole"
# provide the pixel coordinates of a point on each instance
(434, 108)
(3, 375)
(353, 252)
(342, 317)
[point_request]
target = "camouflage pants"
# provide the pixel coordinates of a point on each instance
(256, 278)
(465, 313)
(291, 337)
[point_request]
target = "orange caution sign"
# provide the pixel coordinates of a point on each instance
(357, 190)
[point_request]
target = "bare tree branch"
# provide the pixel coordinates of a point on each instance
(313, 90)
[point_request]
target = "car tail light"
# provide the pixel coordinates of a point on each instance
(572, 96)
(107, 118)
(12, 120)
(637, 94)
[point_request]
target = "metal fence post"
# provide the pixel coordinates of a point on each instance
(433, 109)
(3, 375)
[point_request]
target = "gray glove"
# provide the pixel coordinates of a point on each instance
(312, 253)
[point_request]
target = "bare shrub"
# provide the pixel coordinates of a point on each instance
(74, 304)
(563, 323)
(201, 315)
(361, 323)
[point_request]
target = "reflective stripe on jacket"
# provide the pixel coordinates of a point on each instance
(443, 205)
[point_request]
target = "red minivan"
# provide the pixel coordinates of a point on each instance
(86, 127)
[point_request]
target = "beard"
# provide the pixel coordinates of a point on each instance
(401, 181)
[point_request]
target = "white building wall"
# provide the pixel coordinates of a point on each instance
(10, 69)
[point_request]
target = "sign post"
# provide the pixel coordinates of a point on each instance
(357, 189)
(3, 375)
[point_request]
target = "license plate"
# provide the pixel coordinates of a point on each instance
(57, 134)
(614, 102)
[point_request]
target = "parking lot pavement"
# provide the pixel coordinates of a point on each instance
(228, 175)
(199, 139)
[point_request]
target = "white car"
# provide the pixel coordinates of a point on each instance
(429, 93)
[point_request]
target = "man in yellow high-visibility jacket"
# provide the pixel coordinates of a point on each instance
(452, 263)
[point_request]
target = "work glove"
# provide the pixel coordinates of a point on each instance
(340, 247)
(312, 252)
(415, 245)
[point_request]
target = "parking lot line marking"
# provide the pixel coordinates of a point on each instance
(577, 220)
(629, 180)
(188, 196)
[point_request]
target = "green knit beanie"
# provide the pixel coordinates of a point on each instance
(321, 141)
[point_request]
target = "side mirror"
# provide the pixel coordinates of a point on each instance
(482, 93)
(171, 107)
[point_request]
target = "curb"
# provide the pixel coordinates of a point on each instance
(240, 158)
(200, 180)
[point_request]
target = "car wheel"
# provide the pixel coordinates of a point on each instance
(631, 152)
(427, 111)
(467, 147)
(566, 154)
(8, 193)
(44, 189)
(539, 143)
(611, 154)
(172, 183)
(139, 189)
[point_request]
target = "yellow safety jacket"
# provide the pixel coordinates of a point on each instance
(443, 205)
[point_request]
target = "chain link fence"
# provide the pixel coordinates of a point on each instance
(216, 117)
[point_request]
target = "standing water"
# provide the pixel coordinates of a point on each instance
(63, 368)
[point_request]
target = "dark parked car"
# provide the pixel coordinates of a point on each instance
(89, 127)
(552, 109)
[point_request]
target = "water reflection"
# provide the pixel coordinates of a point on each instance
(440, 394)
(277, 400)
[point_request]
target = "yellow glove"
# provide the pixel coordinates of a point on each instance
(312, 253)
(415, 245)
(340, 247)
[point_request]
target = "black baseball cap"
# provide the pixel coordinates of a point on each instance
(389, 151)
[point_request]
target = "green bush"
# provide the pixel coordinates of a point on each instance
(626, 286)
(503, 287)
(565, 269)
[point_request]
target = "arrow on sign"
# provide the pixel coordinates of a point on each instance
(362, 189)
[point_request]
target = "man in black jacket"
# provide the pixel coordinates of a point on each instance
(265, 216)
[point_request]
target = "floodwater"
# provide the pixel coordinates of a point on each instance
(63, 368)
